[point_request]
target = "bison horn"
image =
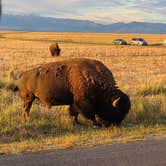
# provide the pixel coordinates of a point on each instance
(115, 102)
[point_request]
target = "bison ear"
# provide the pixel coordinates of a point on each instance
(115, 102)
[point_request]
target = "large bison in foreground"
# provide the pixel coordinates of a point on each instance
(86, 85)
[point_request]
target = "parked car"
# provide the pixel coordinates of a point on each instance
(139, 41)
(119, 42)
(164, 43)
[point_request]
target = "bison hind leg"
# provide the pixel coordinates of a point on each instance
(27, 106)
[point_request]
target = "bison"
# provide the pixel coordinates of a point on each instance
(54, 49)
(86, 85)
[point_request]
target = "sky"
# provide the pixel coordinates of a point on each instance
(100, 11)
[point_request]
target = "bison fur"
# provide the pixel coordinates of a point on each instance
(86, 85)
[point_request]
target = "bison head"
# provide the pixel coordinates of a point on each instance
(114, 110)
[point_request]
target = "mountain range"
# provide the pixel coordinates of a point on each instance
(38, 23)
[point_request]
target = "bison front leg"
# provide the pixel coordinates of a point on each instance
(94, 122)
(73, 111)
(87, 111)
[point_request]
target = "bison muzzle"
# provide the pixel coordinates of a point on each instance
(86, 85)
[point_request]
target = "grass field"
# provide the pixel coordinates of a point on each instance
(140, 71)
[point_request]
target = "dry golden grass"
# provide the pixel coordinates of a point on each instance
(132, 63)
(139, 70)
(96, 38)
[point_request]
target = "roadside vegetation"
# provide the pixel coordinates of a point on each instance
(139, 71)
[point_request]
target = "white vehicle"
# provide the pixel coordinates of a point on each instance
(139, 41)
(164, 43)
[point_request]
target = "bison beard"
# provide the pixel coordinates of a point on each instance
(86, 85)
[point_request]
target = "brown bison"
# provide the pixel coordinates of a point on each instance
(54, 49)
(86, 85)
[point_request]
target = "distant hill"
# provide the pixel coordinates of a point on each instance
(37, 23)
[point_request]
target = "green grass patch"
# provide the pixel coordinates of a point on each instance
(152, 88)
(2, 84)
(150, 109)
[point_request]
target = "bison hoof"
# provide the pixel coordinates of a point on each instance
(96, 126)
(75, 122)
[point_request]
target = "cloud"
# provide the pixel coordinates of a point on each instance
(158, 6)
(118, 15)
(106, 11)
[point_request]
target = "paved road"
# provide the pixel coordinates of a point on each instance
(146, 153)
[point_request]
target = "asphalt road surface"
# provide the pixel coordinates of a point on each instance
(143, 153)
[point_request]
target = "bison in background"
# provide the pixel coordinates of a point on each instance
(86, 85)
(54, 49)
